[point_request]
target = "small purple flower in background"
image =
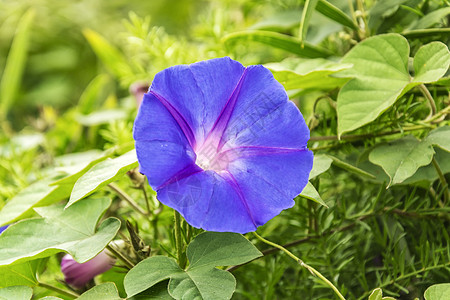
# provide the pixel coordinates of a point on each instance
(3, 228)
(138, 89)
(78, 275)
(222, 144)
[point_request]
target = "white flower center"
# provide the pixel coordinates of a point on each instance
(209, 158)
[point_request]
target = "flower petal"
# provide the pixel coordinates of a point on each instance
(199, 92)
(210, 201)
(264, 116)
(272, 180)
(161, 146)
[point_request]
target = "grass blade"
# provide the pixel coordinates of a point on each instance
(15, 63)
(277, 40)
(329, 10)
(310, 7)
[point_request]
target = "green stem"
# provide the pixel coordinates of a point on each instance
(303, 264)
(178, 240)
(417, 33)
(442, 179)
(362, 11)
(355, 137)
(430, 99)
(67, 293)
(120, 256)
(147, 201)
(352, 11)
(441, 113)
(124, 196)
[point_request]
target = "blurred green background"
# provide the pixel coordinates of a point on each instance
(69, 70)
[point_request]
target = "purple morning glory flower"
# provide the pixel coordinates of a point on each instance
(222, 144)
(3, 228)
(78, 275)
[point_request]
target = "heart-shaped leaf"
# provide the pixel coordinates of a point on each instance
(18, 292)
(19, 274)
(381, 76)
(438, 292)
(71, 230)
(401, 158)
(440, 137)
(380, 68)
(431, 62)
(201, 280)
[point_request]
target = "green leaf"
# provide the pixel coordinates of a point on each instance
(19, 274)
(431, 62)
(430, 19)
(321, 164)
(401, 158)
(380, 71)
(157, 292)
(18, 292)
(112, 58)
(277, 40)
(382, 10)
(437, 292)
(90, 97)
(297, 73)
(329, 10)
(37, 194)
(201, 280)
(310, 193)
(308, 10)
(427, 174)
(101, 174)
(351, 168)
(15, 63)
(380, 68)
(419, 33)
(114, 275)
(439, 137)
(71, 230)
(85, 161)
(376, 294)
(106, 291)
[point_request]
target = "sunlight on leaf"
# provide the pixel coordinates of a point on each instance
(438, 292)
(71, 230)
(18, 292)
(101, 174)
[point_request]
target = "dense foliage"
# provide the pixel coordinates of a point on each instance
(371, 79)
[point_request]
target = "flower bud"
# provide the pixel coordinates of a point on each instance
(138, 89)
(78, 275)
